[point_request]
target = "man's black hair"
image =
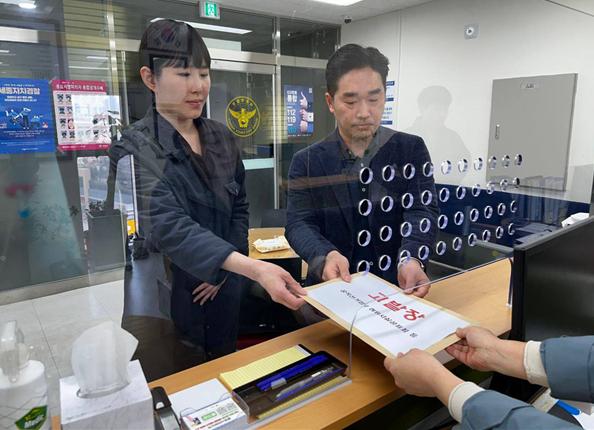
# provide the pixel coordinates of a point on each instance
(353, 57)
(169, 43)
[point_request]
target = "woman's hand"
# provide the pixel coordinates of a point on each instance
(280, 285)
(205, 291)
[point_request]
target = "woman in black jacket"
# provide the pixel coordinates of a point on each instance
(190, 191)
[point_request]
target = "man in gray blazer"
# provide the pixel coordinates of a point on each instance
(566, 365)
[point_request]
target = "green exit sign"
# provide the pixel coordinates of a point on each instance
(210, 10)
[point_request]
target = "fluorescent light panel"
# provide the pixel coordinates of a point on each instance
(339, 2)
(27, 5)
(211, 27)
(96, 57)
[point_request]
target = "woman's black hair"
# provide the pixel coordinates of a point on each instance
(170, 43)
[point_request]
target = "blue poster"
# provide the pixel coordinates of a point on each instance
(299, 108)
(26, 119)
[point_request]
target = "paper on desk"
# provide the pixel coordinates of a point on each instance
(198, 396)
(264, 366)
(387, 321)
(269, 245)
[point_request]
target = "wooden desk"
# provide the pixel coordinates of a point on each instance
(479, 295)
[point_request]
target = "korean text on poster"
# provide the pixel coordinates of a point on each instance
(299, 108)
(26, 120)
(87, 117)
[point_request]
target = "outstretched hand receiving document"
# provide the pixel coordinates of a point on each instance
(384, 317)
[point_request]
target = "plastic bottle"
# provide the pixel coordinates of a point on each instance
(23, 387)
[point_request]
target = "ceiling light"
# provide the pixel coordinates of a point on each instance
(339, 2)
(88, 68)
(96, 57)
(211, 27)
(4, 51)
(27, 5)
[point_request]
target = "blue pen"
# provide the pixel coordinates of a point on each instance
(568, 408)
(306, 383)
(281, 378)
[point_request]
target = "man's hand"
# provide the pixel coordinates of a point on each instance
(410, 275)
(279, 284)
(205, 291)
(419, 373)
(336, 266)
(482, 350)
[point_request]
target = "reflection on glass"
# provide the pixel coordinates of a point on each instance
(518, 159)
(503, 184)
(446, 167)
(458, 218)
(460, 192)
(384, 262)
(385, 233)
(463, 165)
(388, 173)
(492, 162)
(488, 212)
(474, 215)
(442, 221)
(405, 229)
(407, 200)
(408, 171)
(478, 163)
(513, 206)
(476, 190)
(457, 244)
(428, 169)
(444, 194)
(387, 203)
(499, 232)
(424, 225)
(505, 161)
(364, 237)
(516, 182)
(363, 266)
(486, 236)
(426, 197)
(404, 255)
(440, 247)
(365, 207)
(471, 239)
(501, 209)
(366, 175)
(423, 253)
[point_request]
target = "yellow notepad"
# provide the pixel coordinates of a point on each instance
(264, 366)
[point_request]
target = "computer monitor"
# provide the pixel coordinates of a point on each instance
(553, 284)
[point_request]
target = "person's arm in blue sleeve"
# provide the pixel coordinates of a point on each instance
(569, 367)
(419, 373)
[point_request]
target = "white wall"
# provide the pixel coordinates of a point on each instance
(426, 47)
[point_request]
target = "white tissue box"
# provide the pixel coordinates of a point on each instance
(129, 408)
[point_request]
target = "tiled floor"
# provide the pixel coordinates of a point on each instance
(50, 325)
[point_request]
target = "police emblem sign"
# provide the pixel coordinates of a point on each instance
(243, 116)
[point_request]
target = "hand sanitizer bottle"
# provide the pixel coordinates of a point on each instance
(23, 388)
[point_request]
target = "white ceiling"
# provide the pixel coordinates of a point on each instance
(316, 11)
